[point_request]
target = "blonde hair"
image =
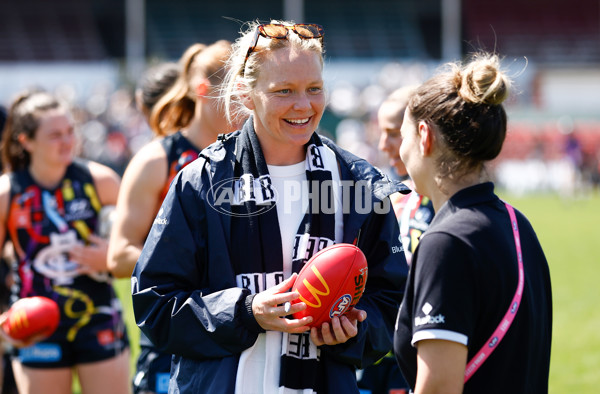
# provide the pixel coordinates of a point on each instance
(243, 73)
(465, 105)
(175, 109)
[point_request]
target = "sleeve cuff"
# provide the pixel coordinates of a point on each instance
(440, 334)
(248, 316)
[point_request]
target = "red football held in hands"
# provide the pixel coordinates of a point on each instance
(331, 282)
(31, 316)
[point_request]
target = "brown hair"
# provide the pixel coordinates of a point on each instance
(175, 109)
(155, 82)
(24, 118)
(465, 106)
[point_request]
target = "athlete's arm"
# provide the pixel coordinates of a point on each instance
(107, 183)
(440, 366)
(92, 256)
(138, 203)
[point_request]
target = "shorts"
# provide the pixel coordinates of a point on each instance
(153, 371)
(100, 339)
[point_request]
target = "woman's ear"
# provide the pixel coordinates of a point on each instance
(202, 88)
(425, 138)
(247, 101)
(24, 141)
(245, 97)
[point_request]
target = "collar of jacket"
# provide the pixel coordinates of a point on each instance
(352, 167)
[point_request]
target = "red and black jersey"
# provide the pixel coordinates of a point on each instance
(43, 225)
(180, 152)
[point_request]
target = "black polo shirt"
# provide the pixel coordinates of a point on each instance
(462, 279)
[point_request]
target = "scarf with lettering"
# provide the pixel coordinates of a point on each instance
(256, 241)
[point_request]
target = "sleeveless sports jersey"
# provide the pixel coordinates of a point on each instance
(43, 225)
(180, 152)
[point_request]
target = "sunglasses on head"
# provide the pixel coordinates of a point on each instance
(305, 31)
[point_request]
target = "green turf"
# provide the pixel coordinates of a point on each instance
(123, 289)
(569, 231)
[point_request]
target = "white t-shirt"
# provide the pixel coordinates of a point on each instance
(292, 202)
(259, 365)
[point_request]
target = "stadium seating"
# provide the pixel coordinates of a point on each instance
(552, 31)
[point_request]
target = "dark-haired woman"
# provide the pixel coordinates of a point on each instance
(477, 314)
(49, 207)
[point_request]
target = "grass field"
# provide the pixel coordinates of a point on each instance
(569, 231)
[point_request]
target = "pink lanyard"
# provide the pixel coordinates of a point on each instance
(500, 331)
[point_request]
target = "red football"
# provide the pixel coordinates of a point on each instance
(331, 282)
(31, 316)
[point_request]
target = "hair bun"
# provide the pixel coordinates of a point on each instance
(482, 81)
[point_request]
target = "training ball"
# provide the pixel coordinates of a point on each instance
(331, 282)
(31, 316)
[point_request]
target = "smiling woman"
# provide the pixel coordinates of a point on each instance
(287, 110)
(288, 105)
(211, 284)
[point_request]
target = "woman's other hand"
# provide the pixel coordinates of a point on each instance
(92, 257)
(339, 329)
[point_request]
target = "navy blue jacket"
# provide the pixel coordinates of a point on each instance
(184, 289)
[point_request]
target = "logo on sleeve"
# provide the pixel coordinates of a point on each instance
(428, 319)
(159, 219)
(397, 249)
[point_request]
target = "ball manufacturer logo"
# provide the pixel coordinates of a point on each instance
(314, 291)
(340, 306)
(359, 282)
(18, 320)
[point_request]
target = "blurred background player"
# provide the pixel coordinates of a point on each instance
(414, 213)
(49, 206)
(185, 115)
